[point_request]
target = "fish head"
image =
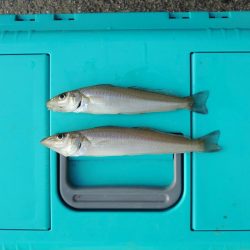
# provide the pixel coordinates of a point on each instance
(67, 144)
(65, 102)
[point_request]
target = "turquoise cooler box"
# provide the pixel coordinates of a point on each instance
(183, 201)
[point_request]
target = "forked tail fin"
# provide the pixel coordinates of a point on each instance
(198, 102)
(211, 141)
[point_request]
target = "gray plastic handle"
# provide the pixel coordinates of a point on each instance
(121, 197)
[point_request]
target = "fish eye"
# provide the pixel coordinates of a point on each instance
(60, 136)
(62, 96)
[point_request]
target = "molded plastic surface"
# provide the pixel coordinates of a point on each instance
(223, 181)
(24, 169)
(107, 171)
(146, 50)
(121, 197)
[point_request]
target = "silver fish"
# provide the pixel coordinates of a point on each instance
(109, 99)
(117, 141)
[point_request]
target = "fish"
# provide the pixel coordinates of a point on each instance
(110, 99)
(121, 141)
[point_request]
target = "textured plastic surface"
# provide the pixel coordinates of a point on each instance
(146, 50)
(24, 171)
(229, 110)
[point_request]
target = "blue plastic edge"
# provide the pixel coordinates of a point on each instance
(121, 21)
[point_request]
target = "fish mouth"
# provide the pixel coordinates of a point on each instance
(51, 106)
(46, 142)
(49, 143)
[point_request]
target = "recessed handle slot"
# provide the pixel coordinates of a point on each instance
(125, 197)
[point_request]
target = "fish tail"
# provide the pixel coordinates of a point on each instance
(198, 102)
(210, 142)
